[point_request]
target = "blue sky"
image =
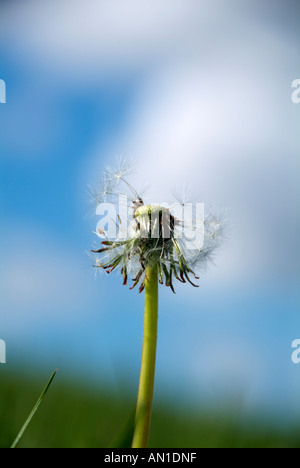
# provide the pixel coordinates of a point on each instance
(199, 96)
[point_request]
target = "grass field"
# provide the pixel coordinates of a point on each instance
(74, 416)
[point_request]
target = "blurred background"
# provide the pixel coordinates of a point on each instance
(199, 93)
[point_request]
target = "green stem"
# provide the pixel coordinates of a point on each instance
(145, 394)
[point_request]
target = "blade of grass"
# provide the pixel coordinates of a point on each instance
(34, 410)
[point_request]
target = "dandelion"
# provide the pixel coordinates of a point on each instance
(157, 245)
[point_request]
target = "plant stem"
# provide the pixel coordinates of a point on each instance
(146, 385)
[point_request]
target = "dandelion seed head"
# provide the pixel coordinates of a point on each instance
(156, 235)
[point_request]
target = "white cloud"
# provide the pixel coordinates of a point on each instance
(96, 35)
(89, 39)
(230, 135)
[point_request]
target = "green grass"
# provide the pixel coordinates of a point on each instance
(76, 416)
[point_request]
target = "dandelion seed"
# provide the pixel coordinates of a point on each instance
(123, 168)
